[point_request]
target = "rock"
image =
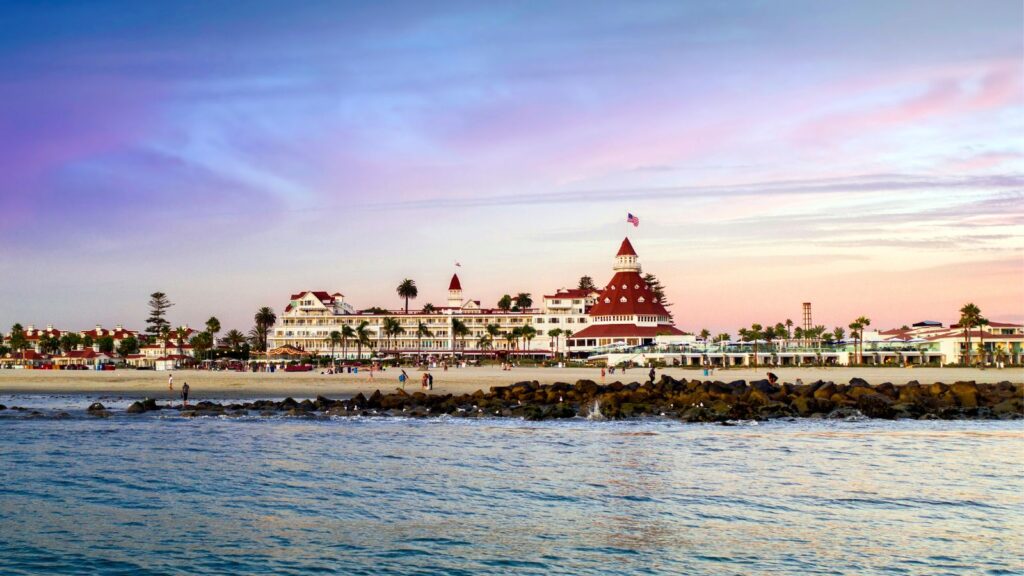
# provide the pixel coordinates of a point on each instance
(289, 403)
(966, 394)
(1012, 408)
(149, 404)
(825, 391)
(136, 408)
(61, 416)
(99, 413)
(2, 407)
(858, 382)
(876, 406)
(96, 407)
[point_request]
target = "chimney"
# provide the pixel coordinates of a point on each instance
(119, 328)
(49, 327)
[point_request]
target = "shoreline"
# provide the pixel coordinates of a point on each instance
(681, 400)
(137, 384)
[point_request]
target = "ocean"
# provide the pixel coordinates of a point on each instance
(159, 494)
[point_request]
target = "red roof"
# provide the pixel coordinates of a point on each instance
(626, 331)
(455, 284)
(115, 334)
(626, 295)
(626, 249)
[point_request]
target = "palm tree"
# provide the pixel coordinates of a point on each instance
(165, 333)
(753, 334)
(789, 331)
(838, 333)
(982, 322)
(234, 339)
(970, 316)
(362, 338)
(347, 332)
(212, 327)
(483, 342)
(505, 303)
(334, 338)
(429, 308)
(264, 319)
(493, 330)
(459, 330)
(422, 331)
(554, 333)
(407, 289)
(864, 322)
(179, 335)
(391, 329)
(855, 328)
(523, 301)
(528, 334)
(511, 337)
(704, 334)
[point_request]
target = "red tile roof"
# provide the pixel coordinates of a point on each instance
(455, 284)
(626, 249)
(626, 295)
(626, 331)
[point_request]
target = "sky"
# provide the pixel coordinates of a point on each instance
(864, 156)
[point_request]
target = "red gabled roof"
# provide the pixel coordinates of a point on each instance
(627, 294)
(626, 331)
(626, 249)
(455, 284)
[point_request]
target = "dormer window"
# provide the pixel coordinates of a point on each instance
(640, 300)
(607, 301)
(623, 299)
(624, 287)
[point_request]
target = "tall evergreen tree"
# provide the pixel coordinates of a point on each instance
(157, 323)
(586, 283)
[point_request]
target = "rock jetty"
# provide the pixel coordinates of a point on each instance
(685, 400)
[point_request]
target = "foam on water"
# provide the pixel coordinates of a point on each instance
(157, 493)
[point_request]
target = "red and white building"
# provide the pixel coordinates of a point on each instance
(626, 312)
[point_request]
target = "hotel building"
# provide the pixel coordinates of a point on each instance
(625, 312)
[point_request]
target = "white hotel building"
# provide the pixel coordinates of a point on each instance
(311, 316)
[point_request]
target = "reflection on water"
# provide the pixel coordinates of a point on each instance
(154, 494)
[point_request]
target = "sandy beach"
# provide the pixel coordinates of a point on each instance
(240, 385)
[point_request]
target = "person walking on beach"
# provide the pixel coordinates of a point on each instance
(652, 375)
(602, 373)
(170, 381)
(184, 393)
(430, 381)
(402, 378)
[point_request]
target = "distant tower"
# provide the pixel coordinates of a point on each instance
(808, 322)
(455, 292)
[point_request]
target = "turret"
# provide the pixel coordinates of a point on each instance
(455, 292)
(626, 260)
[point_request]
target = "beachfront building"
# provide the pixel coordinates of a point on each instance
(463, 327)
(626, 312)
(563, 314)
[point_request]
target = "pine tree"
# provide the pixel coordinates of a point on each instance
(156, 323)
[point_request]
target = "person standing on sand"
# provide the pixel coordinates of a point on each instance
(423, 381)
(184, 394)
(652, 375)
(402, 378)
(170, 381)
(430, 381)
(602, 373)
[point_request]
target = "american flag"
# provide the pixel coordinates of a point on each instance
(633, 220)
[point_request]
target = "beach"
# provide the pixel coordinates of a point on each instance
(242, 385)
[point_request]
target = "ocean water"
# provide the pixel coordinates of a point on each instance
(159, 494)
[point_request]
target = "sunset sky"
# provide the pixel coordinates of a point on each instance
(865, 156)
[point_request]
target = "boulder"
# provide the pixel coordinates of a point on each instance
(136, 408)
(876, 406)
(150, 404)
(966, 394)
(825, 391)
(858, 382)
(1007, 409)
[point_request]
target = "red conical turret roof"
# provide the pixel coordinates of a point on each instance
(626, 249)
(455, 284)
